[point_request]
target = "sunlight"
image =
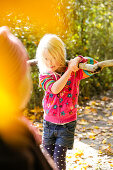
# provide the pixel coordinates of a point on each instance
(41, 13)
(84, 157)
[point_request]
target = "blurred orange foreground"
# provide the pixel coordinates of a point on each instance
(40, 12)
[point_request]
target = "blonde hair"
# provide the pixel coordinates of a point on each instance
(54, 46)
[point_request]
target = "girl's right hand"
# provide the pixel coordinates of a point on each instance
(73, 65)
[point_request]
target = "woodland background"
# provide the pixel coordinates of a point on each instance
(85, 26)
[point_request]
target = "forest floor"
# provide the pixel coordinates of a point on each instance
(93, 145)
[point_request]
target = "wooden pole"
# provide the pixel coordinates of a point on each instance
(96, 67)
(89, 67)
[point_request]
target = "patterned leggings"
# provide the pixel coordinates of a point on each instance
(58, 153)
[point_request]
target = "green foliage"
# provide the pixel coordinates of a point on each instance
(86, 27)
(37, 93)
(30, 35)
(89, 32)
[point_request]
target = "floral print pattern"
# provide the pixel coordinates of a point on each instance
(62, 107)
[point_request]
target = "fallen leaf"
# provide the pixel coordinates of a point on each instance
(107, 115)
(107, 150)
(79, 153)
(105, 98)
(83, 122)
(92, 137)
(96, 127)
(92, 144)
(87, 107)
(92, 103)
(86, 98)
(32, 117)
(100, 152)
(104, 141)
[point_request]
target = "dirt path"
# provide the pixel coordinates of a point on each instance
(93, 146)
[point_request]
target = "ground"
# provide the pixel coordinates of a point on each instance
(93, 145)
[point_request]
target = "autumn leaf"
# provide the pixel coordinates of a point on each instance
(104, 141)
(105, 98)
(92, 103)
(96, 127)
(92, 137)
(37, 110)
(79, 153)
(86, 98)
(83, 122)
(111, 165)
(107, 150)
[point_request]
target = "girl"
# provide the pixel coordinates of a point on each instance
(60, 80)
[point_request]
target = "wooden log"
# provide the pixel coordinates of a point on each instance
(89, 67)
(96, 67)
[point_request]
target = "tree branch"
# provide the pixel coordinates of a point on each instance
(96, 67)
(89, 67)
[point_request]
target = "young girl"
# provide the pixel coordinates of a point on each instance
(60, 80)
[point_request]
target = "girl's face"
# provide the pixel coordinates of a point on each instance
(51, 63)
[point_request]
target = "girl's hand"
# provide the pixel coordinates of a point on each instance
(60, 83)
(73, 64)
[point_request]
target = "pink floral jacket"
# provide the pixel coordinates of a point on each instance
(61, 108)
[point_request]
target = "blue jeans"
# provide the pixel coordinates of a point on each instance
(59, 134)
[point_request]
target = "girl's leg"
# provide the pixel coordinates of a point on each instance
(50, 149)
(60, 156)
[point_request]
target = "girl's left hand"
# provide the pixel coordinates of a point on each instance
(73, 64)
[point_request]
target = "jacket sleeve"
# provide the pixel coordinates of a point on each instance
(46, 81)
(82, 74)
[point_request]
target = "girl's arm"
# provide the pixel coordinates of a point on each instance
(82, 74)
(59, 84)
